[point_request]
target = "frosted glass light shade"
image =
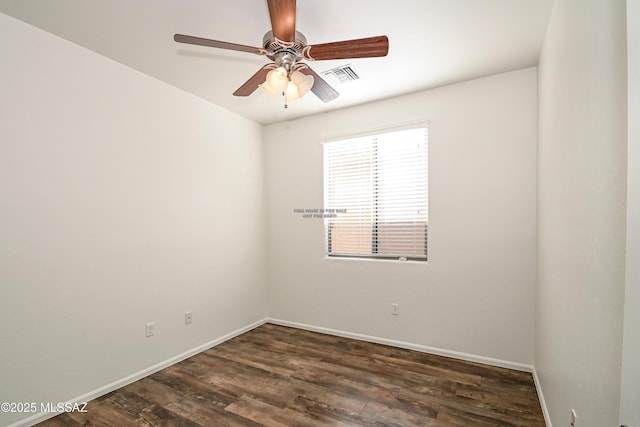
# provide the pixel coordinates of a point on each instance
(292, 93)
(268, 89)
(303, 82)
(277, 79)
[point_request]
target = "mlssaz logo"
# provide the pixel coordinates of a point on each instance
(63, 407)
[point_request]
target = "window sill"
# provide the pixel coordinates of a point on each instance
(374, 259)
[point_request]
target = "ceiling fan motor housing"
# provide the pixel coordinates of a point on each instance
(284, 54)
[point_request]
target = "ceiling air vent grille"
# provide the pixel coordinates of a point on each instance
(342, 74)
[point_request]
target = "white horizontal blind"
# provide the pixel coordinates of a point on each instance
(377, 186)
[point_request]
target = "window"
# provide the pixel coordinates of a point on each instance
(375, 190)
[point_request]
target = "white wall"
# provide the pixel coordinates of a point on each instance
(581, 211)
(476, 293)
(122, 201)
(630, 392)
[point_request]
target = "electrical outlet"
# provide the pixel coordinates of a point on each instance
(395, 309)
(188, 317)
(150, 329)
(574, 418)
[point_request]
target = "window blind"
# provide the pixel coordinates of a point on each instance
(377, 185)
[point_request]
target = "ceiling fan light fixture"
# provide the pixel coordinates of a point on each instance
(267, 89)
(293, 85)
(292, 92)
(277, 79)
(304, 83)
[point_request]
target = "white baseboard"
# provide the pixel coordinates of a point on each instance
(409, 346)
(42, 416)
(543, 404)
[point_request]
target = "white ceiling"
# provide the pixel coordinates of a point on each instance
(431, 42)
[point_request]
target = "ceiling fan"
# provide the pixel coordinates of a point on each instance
(287, 48)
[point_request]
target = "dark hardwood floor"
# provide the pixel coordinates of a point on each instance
(278, 376)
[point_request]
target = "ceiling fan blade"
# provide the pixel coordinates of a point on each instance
(181, 38)
(283, 19)
(254, 81)
(320, 87)
(359, 48)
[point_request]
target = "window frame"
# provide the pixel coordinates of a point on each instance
(422, 124)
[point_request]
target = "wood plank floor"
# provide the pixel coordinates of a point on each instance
(278, 376)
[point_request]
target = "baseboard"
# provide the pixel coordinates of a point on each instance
(42, 416)
(543, 404)
(409, 346)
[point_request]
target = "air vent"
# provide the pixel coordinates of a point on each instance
(342, 74)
